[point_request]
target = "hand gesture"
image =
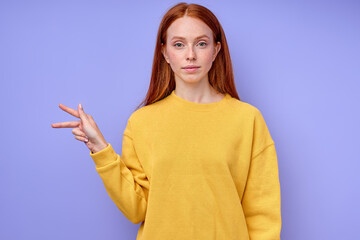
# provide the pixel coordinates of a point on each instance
(84, 130)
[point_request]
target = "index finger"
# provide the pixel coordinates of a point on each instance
(70, 124)
(69, 110)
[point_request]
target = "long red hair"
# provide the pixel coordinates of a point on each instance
(221, 76)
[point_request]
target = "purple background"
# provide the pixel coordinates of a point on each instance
(298, 62)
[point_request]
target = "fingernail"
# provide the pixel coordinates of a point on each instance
(86, 140)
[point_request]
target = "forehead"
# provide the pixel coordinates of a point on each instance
(188, 27)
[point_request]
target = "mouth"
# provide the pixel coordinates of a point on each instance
(191, 68)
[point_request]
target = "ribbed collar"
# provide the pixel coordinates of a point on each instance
(197, 106)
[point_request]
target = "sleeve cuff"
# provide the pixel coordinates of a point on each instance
(104, 157)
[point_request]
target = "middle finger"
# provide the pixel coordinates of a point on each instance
(73, 112)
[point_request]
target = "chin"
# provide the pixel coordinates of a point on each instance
(191, 78)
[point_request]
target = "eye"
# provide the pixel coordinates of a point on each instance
(177, 44)
(202, 44)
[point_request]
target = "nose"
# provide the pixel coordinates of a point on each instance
(191, 54)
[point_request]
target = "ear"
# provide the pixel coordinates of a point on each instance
(217, 49)
(164, 53)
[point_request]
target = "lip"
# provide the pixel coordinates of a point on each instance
(191, 68)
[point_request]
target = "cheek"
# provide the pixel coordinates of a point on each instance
(207, 59)
(208, 56)
(173, 57)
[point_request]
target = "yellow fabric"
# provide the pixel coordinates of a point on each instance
(194, 171)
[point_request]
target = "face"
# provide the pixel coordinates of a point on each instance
(190, 42)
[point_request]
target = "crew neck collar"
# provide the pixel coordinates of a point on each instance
(198, 106)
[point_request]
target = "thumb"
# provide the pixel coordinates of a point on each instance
(83, 116)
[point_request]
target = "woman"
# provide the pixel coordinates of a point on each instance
(196, 162)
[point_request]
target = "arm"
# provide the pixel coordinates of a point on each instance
(124, 178)
(262, 199)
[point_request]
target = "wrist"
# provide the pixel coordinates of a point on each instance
(98, 148)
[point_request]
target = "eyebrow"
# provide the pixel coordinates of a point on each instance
(202, 36)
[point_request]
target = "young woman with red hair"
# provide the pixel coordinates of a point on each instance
(196, 162)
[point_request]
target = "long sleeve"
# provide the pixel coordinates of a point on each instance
(124, 178)
(262, 199)
(195, 171)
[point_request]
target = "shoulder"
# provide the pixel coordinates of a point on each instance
(255, 118)
(243, 108)
(146, 113)
(251, 116)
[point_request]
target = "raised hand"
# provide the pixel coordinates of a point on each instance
(84, 130)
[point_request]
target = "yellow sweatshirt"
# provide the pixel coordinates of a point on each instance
(195, 171)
